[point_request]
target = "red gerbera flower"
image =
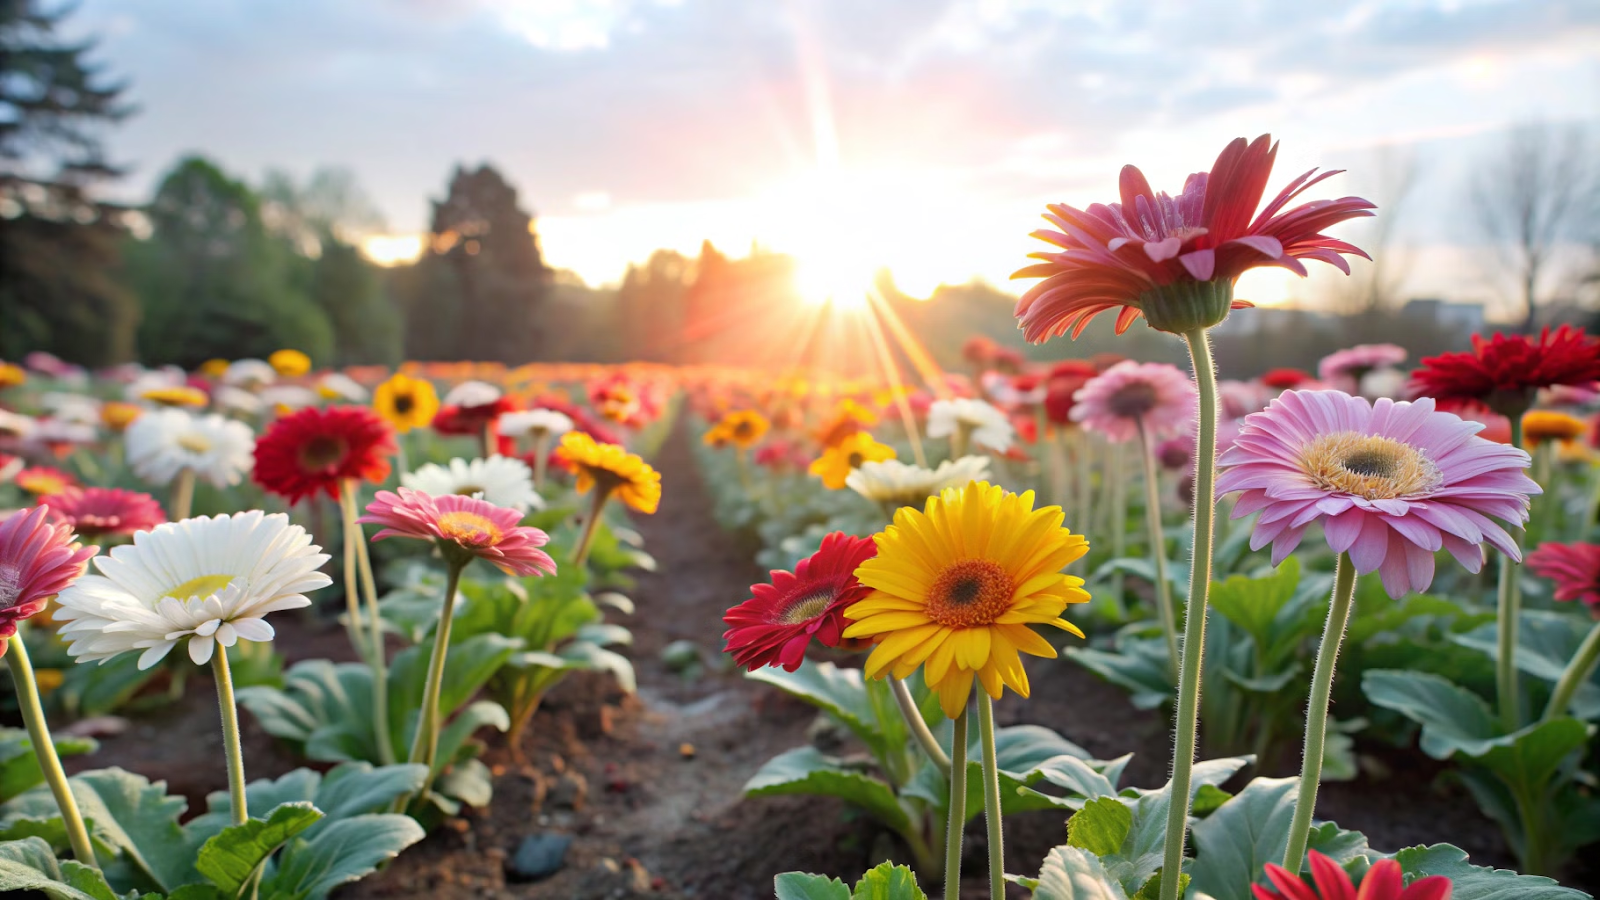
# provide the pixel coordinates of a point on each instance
(1061, 388)
(1384, 881)
(318, 449)
(96, 512)
(776, 624)
(1285, 379)
(1575, 569)
(1174, 259)
(43, 481)
(1505, 372)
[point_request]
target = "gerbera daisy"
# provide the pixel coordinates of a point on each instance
(463, 528)
(1540, 425)
(611, 470)
(1061, 388)
(43, 481)
(117, 415)
(1344, 369)
(341, 387)
(318, 450)
(289, 363)
(210, 580)
(957, 585)
(966, 422)
(1174, 259)
(1505, 373)
(1383, 881)
(500, 480)
(839, 460)
(164, 442)
(742, 428)
(1575, 569)
(1285, 379)
(251, 374)
(214, 367)
(12, 375)
(895, 484)
(1129, 396)
(180, 395)
(100, 512)
(848, 418)
(38, 560)
(535, 424)
(1391, 482)
(405, 402)
(778, 622)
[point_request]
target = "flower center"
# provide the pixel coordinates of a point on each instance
(1377, 468)
(323, 452)
(741, 429)
(43, 484)
(970, 592)
(194, 442)
(804, 608)
(10, 585)
(1133, 400)
(204, 586)
(469, 529)
(404, 403)
(855, 460)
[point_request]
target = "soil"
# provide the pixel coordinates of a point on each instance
(649, 785)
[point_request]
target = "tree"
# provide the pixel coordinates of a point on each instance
(1527, 198)
(57, 245)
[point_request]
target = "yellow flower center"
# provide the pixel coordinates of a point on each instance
(1377, 468)
(194, 442)
(43, 484)
(204, 586)
(970, 592)
(804, 608)
(469, 529)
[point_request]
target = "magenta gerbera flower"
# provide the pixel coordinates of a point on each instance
(1118, 401)
(98, 512)
(1391, 483)
(1575, 569)
(38, 559)
(777, 623)
(463, 527)
(1344, 369)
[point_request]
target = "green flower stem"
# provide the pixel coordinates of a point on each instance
(1508, 614)
(44, 749)
(1344, 590)
(401, 463)
(1158, 549)
(230, 735)
(958, 809)
(352, 597)
(181, 500)
(1580, 528)
(958, 440)
(541, 457)
(1116, 474)
(1576, 673)
(991, 798)
(1194, 624)
(376, 657)
(591, 525)
(425, 743)
(917, 726)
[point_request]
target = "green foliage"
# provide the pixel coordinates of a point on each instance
(1071, 873)
(885, 881)
(19, 768)
(231, 857)
(1236, 841)
(1469, 882)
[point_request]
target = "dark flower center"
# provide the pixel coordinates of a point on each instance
(1133, 400)
(323, 452)
(404, 403)
(970, 592)
(856, 460)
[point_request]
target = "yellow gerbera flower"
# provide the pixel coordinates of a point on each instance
(181, 395)
(742, 429)
(405, 402)
(956, 587)
(1542, 425)
(612, 470)
(117, 415)
(290, 363)
(12, 374)
(215, 367)
(839, 460)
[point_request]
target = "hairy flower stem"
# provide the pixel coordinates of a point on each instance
(1508, 615)
(1577, 672)
(591, 525)
(917, 726)
(355, 538)
(44, 749)
(1116, 473)
(958, 809)
(1344, 590)
(425, 743)
(1158, 549)
(541, 457)
(230, 734)
(1194, 624)
(181, 501)
(991, 798)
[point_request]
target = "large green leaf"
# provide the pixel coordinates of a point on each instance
(1469, 882)
(806, 770)
(345, 851)
(805, 886)
(1143, 848)
(887, 881)
(842, 693)
(1100, 826)
(1546, 642)
(30, 865)
(233, 855)
(1070, 873)
(19, 768)
(469, 665)
(1021, 752)
(1253, 603)
(1243, 835)
(1453, 719)
(1083, 779)
(1138, 665)
(1529, 758)
(349, 789)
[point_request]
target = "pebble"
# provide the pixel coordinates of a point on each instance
(539, 856)
(681, 656)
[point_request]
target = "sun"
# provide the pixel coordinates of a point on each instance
(828, 280)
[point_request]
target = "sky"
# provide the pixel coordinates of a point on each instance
(924, 136)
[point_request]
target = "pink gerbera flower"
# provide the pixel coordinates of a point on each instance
(1130, 395)
(463, 527)
(38, 559)
(1575, 569)
(97, 512)
(1391, 483)
(1344, 369)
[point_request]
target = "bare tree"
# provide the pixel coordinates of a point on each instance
(1527, 198)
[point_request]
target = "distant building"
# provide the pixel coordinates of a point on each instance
(1445, 315)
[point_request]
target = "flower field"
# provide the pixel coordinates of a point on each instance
(1063, 627)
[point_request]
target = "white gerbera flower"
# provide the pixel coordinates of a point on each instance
(250, 373)
(546, 423)
(154, 380)
(16, 425)
(290, 397)
(163, 442)
(232, 399)
(472, 393)
(983, 424)
(210, 580)
(903, 484)
(339, 386)
(79, 409)
(499, 480)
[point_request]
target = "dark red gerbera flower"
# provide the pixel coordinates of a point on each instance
(1506, 371)
(1383, 881)
(779, 620)
(318, 449)
(1285, 379)
(1574, 568)
(1174, 259)
(95, 511)
(1061, 387)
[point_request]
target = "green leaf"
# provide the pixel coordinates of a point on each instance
(840, 692)
(805, 886)
(806, 770)
(30, 865)
(1152, 888)
(349, 789)
(1070, 873)
(1021, 752)
(1100, 826)
(469, 782)
(1208, 799)
(1531, 757)
(100, 689)
(1243, 835)
(87, 879)
(1453, 719)
(1469, 882)
(1082, 779)
(887, 881)
(234, 854)
(468, 666)
(1253, 603)
(1142, 851)
(345, 851)
(19, 768)
(1138, 665)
